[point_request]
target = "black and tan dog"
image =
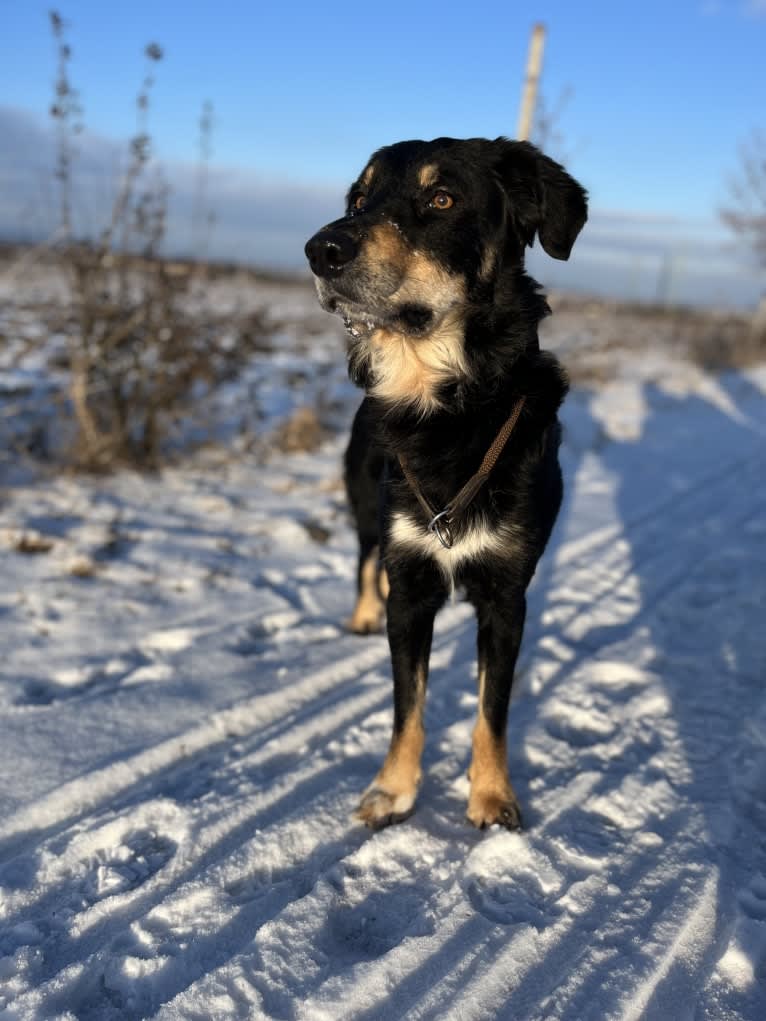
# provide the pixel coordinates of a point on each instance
(452, 469)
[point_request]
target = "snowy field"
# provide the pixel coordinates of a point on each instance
(185, 728)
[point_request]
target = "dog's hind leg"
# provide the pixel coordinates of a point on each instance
(371, 588)
(363, 470)
(492, 798)
(416, 595)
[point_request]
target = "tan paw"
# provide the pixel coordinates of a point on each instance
(485, 808)
(369, 625)
(367, 618)
(379, 808)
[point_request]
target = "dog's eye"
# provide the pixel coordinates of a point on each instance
(358, 201)
(442, 200)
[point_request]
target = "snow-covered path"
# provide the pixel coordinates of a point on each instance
(186, 728)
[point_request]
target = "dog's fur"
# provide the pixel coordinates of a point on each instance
(427, 270)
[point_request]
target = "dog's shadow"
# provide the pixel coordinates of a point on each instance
(635, 741)
(636, 728)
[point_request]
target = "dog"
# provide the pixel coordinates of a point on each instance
(452, 468)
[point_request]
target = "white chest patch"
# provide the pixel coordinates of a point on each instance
(477, 542)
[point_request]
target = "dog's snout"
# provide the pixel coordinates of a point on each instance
(329, 251)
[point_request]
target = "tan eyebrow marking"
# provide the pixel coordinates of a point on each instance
(428, 175)
(368, 175)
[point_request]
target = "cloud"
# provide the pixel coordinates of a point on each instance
(266, 222)
(746, 8)
(636, 232)
(256, 219)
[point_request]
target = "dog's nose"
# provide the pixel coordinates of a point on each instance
(329, 251)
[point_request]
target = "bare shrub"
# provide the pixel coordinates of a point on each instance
(136, 357)
(547, 132)
(745, 213)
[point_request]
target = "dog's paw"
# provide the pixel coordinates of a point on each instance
(365, 625)
(367, 618)
(487, 808)
(379, 808)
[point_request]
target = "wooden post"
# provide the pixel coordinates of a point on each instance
(529, 95)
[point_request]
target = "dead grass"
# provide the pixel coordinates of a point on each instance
(32, 542)
(302, 432)
(589, 335)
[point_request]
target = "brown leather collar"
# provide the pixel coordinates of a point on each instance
(440, 522)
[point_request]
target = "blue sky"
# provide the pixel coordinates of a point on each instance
(662, 94)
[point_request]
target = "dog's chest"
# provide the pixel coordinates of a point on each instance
(480, 542)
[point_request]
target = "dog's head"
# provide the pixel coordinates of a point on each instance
(428, 229)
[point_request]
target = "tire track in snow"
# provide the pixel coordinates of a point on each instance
(684, 950)
(630, 905)
(105, 915)
(259, 801)
(65, 804)
(77, 797)
(218, 842)
(210, 862)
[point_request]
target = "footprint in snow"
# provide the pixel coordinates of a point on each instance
(373, 926)
(69, 876)
(512, 883)
(579, 727)
(277, 631)
(139, 855)
(512, 900)
(753, 899)
(81, 680)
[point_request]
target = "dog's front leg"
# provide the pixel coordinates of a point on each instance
(416, 593)
(492, 798)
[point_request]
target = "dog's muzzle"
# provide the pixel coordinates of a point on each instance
(329, 252)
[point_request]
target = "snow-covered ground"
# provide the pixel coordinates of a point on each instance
(185, 728)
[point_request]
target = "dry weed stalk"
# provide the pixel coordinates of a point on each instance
(746, 211)
(135, 355)
(746, 216)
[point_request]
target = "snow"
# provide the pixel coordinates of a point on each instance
(187, 727)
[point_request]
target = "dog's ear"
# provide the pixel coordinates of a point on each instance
(543, 198)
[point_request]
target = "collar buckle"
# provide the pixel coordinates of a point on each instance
(439, 526)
